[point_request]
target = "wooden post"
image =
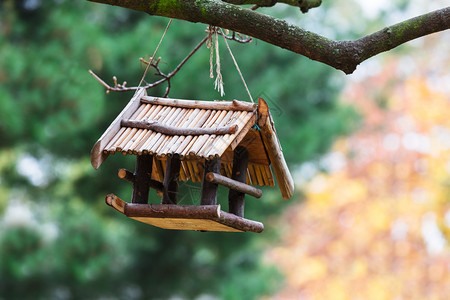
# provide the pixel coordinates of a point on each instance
(142, 176)
(236, 199)
(170, 189)
(209, 189)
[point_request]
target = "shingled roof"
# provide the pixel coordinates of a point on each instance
(241, 119)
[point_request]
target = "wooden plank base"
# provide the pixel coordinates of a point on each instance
(186, 224)
(184, 217)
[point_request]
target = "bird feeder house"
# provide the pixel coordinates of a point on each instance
(228, 143)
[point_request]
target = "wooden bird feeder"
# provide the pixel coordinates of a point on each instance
(228, 143)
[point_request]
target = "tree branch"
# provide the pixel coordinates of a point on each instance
(341, 55)
(304, 5)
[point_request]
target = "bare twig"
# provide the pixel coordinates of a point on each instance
(167, 88)
(188, 56)
(165, 77)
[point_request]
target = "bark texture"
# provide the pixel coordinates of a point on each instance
(341, 55)
(173, 130)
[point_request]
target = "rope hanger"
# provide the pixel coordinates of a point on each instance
(237, 67)
(213, 44)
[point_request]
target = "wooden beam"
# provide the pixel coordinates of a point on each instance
(129, 176)
(215, 105)
(172, 130)
(209, 189)
(97, 154)
(170, 189)
(233, 184)
(142, 176)
(274, 150)
(184, 217)
(116, 203)
(175, 211)
(236, 198)
(156, 185)
(126, 175)
(240, 223)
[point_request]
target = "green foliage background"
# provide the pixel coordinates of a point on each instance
(57, 238)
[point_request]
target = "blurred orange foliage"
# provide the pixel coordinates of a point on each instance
(379, 228)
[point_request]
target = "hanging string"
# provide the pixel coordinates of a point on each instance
(213, 44)
(209, 45)
(154, 53)
(237, 67)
